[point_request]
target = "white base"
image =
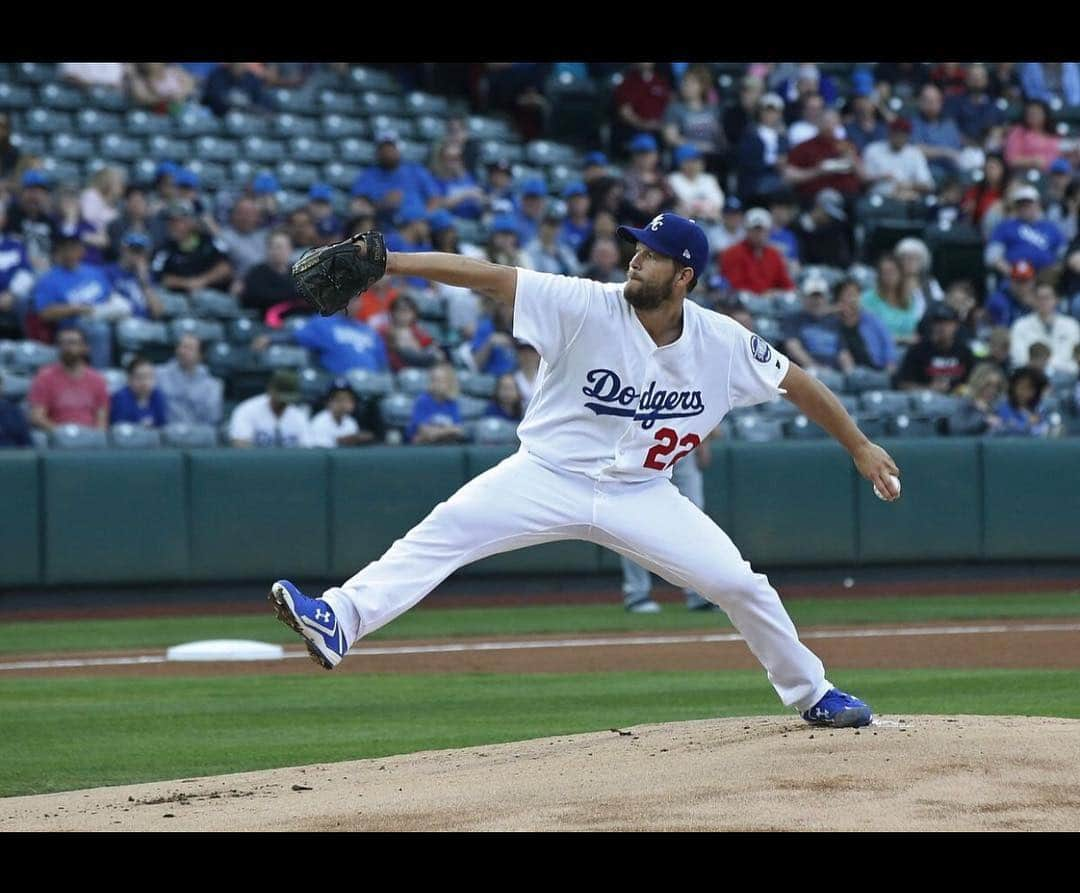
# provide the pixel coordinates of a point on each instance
(225, 649)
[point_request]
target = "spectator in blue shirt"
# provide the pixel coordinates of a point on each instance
(530, 210)
(140, 401)
(232, 86)
(762, 151)
(343, 344)
(458, 191)
(130, 277)
(812, 335)
(14, 430)
(577, 226)
(936, 135)
(500, 186)
(492, 343)
(1020, 412)
(863, 124)
(863, 334)
(1015, 298)
(436, 416)
(70, 295)
(1026, 236)
(1046, 81)
(783, 207)
(16, 280)
(392, 183)
(975, 112)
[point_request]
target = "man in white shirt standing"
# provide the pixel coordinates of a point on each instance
(335, 425)
(272, 419)
(1058, 332)
(633, 377)
(896, 168)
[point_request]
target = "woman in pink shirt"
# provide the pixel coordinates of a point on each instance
(1032, 142)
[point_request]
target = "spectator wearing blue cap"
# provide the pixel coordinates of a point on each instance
(697, 193)
(190, 259)
(264, 189)
(412, 234)
(641, 100)
(187, 190)
(532, 201)
(646, 189)
(504, 242)
(546, 253)
(245, 236)
(29, 218)
(232, 85)
(458, 191)
(499, 186)
(730, 229)
(977, 116)
(130, 276)
(391, 182)
(577, 226)
(762, 152)
(321, 207)
(594, 165)
(693, 119)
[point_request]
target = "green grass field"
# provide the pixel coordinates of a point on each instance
(67, 733)
(433, 622)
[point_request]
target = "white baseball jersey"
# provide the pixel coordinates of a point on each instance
(324, 431)
(611, 404)
(253, 420)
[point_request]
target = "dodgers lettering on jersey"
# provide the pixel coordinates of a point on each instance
(608, 401)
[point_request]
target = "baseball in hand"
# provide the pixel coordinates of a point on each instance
(895, 481)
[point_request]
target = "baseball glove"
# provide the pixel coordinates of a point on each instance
(331, 276)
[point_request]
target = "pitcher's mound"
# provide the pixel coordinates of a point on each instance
(907, 773)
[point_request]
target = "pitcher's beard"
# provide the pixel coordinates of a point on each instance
(642, 296)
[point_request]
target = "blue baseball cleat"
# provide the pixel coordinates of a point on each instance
(314, 619)
(839, 711)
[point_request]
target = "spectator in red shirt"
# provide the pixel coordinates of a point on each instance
(824, 162)
(69, 392)
(641, 100)
(982, 196)
(407, 344)
(753, 264)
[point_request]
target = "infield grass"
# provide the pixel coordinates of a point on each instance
(64, 734)
(430, 622)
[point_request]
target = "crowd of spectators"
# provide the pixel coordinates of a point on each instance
(786, 167)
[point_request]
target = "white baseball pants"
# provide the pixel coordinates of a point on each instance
(523, 501)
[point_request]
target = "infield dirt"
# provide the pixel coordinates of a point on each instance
(947, 773)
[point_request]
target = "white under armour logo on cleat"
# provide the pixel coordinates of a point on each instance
(322, 616)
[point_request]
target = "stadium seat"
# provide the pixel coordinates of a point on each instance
(313, 384)
(957, 253)
(476, 384)
(242, 330)
(211, 303)
(134, 437)
(470, 231)
(885, 402)
(203, 329)
(193, 122)
(310, 150)
(370, 384)
(35, 72)
(29, 144)
(779, 409)
(372, 103)
(141, 123)
(39, 440)
(47, 121)
(335, 127)
(263, 150)
(106, 99)
(831, 378)
(420, 153)
(484, 128)
(544, 153)
(64, 145)
(287, 126)
(492, 431)
(757, 428)
(366, 79)
(396, 410)
(413, 381)
(61, 96)
(118, 147)
(904, 425)
(403, 127)
(91, 122)
(61, 170)
(801, 428)
(492, 150)
(472, 407)
(356, 151)
(850, 402)
(183, 435)
(871, 424)
(173, 303)
(137, 334)
(29, 356)
(339, 103)
(240, 124)
(881, 236)
(862, 378)
(15, 96)
(297, 176)
(212, 175)
(759, 305)
(76, 437)
(162, 147)
(417, 103)
(935, 405)
(215, 148)
(223, 358)
(284, 356)
(1062, 382)
(338, 175)
(14, 386)
(114, 379)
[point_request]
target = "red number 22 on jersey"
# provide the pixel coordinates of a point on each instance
(669, 439)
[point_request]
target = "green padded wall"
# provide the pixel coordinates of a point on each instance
(20, 518)
(939, 510)
(114, 517)
(377, 494)
(258, 514)
(792, 505)
(1031, 493)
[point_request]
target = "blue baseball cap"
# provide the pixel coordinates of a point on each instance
(187, 178)
(673, 236)
(1061, 166)
(265, 183)
(35, 178)
(596, 159)
(137, 240)
(320, 192)
(572, 189)
(166, 169)
(862, 82)
(644, 142)
(440, 220)
(504, 223)
(685, 153)
(534, 187)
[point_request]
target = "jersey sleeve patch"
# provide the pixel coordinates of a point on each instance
(760, 349)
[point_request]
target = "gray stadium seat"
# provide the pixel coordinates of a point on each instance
(356, 151)
(850, 402)
(779, 409)
(142, 123)
(372, 104)
(60, 96)
(420, 153)
(64, 145)
(39, 440)
(284, 356)
(339, 103)
(417, 103)
(500, 150)
(181, 434)
(242, 171)
(904, 425)
(336, 127)
(396, 410)
(871, 424)
(215, 148)
(174, 303)
(370, 384)
(313, 384)
(15, 96)
(477, 384)
(760, 305)
(223, 358)
(209, 302)
(114, 379)
(106, 99)
(287, 125)
(373, 79)
(297, 176)
(293, 102)
(757, 428)
(862, 379)
(315, 151)
(14, 386)
(118, 147)
(61, 170)
(92, 122)
(492, 431)
(929, 403)
(211, 175)
(769, 329)
(404, 127)
(885, 402)
(544, 153)
(134, 437)
(29, 144)
(241, 124)
(194, 122)
(801, 428)
(263, 150)
(29, 356)
(831, 378)
(413, 381)
(203, 329)
(484, 128)
(1062, 382)
(429, 306)
(242, 330)
(76, 437)
(35, 72)
(339, 175)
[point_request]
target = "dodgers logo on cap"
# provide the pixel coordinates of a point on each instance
(761, 351)
(673, 236)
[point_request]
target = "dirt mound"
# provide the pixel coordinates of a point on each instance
(904, 773)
